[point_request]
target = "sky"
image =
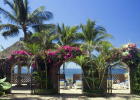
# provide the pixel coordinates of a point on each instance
(121, 18)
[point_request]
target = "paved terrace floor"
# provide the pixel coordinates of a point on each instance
(67, 97)
(70, 94)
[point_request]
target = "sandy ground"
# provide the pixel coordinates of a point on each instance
(125, 91)
(69, 94)
(70, 91)
(67, 97)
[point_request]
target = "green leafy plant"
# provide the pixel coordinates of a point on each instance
(4, 86)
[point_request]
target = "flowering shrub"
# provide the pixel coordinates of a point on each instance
(20, 52)
(129, 51)
(62, 54)
(20, 55)
(115, 55)
(129, 54)
(129, 45)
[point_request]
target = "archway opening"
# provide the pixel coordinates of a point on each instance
(21, 79)
(119, 79)
(70, 78)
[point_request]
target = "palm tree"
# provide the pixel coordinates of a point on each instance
(67, 34)
(44, 39)
(20, 18)
(38, 42)
(92, 36)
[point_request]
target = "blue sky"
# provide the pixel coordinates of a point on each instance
(121, 18)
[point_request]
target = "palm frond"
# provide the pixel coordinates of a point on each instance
(33, 48)
(67, 34)
(101, 29)
(53, 37)
(80, 60)
(10, 33)
(26, 7)
(9, 30)
(22, 10)
(8, 27)
(11, 5)
(40, 27)
(40, 15)
(103, 37)
(92, 35)
(8, 15)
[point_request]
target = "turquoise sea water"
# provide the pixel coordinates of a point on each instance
(70, 71)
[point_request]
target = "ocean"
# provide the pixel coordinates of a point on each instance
(70, 71)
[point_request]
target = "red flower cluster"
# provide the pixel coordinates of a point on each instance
(132, 45)
(63, 53)
(129, 51)
(20, 52)
(69, 48)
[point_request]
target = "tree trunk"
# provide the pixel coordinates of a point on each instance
(53, 78)
(131, 74)
(25, 32)
(19, 76)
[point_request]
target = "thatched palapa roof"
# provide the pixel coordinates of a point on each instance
(8, 51)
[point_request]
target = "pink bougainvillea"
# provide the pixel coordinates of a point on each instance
(62, 53)
(128, 51)
(57, 56)
(69, 48)
(132, 45)
(17, 54)
(21, 52)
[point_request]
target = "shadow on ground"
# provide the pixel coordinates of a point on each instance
(68, 97)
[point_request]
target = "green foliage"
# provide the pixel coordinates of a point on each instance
(81, 60)
(136, 81)
(36, 76)
(4, 85)
(95, 68)
(92, 36)
(40, 78)
(20, 18)
(33, 48)
(45, 39)
(67, 34)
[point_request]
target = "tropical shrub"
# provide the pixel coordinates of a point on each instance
(20, 56)
(4, 86)
(130, 55)
(95, 74)
(135, 87)
(62, 54)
